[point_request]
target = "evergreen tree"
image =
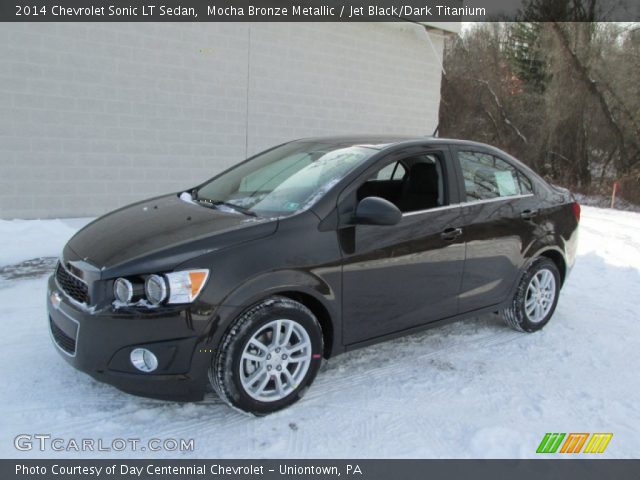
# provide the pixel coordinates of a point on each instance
(526, 56)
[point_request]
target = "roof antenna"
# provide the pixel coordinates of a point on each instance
(435, 132)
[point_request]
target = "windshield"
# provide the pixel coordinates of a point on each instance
(284, 180)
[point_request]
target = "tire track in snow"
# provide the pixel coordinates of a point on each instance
(207, 419)
(329, 384)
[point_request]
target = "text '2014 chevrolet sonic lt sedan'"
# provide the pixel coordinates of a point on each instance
(304, 251)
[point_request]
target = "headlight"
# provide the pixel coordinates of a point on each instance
(123, 290)
(156, 289)
(170, 288)
(126, 291)
(184, 287)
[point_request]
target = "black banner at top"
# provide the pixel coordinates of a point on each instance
(317, 10)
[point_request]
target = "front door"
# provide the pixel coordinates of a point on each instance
(406, 275)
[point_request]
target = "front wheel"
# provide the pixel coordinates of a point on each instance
(269, 357)
(536, 298)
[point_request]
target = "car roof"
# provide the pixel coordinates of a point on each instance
(381, 142)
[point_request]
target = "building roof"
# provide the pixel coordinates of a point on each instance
(447, 27)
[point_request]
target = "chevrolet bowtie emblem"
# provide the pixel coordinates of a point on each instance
(55, 299)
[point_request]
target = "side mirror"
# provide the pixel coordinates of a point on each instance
(376, 211)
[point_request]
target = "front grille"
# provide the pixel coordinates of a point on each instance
(72, 286)
(64, 341)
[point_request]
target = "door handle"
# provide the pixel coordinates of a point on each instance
(528, 214)
(451, 233)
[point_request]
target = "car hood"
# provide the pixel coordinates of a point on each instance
(158, 234)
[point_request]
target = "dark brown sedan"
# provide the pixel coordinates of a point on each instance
(302, 252)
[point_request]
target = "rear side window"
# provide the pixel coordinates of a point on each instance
(525, 183)
(487, 177)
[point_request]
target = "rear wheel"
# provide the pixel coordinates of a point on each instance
(536, 298)
(269, 357)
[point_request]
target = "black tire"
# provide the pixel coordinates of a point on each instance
(224, 373)
(515, 314)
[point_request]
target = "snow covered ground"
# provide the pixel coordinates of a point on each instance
(471, 389)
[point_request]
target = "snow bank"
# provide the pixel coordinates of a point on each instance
(25, 239)
(605, 202)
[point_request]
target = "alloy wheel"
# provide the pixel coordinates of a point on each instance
(540, 295)
(275, 360)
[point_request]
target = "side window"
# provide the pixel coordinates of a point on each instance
(393, 171)
(418, 183)
(487, 177)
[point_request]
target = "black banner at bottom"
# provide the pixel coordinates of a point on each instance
(320, 469)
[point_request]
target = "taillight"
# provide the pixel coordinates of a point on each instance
(576, 210)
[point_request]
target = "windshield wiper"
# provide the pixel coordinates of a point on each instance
(235, 207)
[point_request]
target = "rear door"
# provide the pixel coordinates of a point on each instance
(500, 222)
(402, 276)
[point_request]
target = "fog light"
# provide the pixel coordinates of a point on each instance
(144, 360)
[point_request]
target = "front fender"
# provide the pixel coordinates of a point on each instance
(284, 282)
(267, 284)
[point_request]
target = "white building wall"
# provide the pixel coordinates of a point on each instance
(95, 116)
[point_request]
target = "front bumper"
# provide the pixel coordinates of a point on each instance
(99, 343)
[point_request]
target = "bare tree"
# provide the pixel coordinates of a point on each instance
(563, 97)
